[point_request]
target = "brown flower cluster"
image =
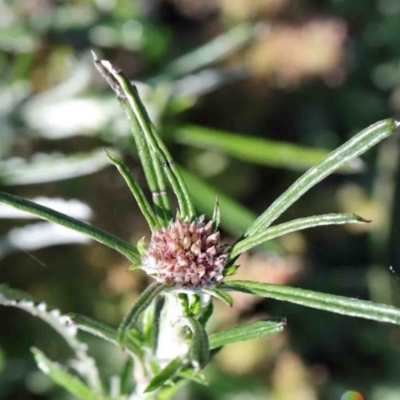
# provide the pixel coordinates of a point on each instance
(186, 254)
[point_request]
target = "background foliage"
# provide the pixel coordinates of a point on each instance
(305, 73)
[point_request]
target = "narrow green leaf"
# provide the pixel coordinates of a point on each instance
(126, 376)
(246, 332)
(296, 225)
(104, 331)
(239, 216)
(63, 378)
(322, 301)
(230, 269)
(219, 294)
(112, 241)
(157, 146)
(205, 313)
(195, 376)
(151, 165)
(136, 190)
(166, 373)
(254, 150)
(199, 350)
(356, 146)
(216, 216)
(131, 318)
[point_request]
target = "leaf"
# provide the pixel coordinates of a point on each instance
(110, 240)
(246, 332)
(199, 349)
(63, 378)
(254, 150)
(166, 373)
(37, 236)
(292, 226)
(104, 331)
(74, 208)
(51, 167)
(126, 376)
(136, 190)
(60, 323)
(216, 215)
(151, 165)
(322, 301)
(131, 318)
(212, 51)
(219, 294)
(356, 146)
(156, 144)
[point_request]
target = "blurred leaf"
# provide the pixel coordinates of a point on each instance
(246, 332)
(292, 226)
(63, 378)
(126, 376)
(97, 234)
(38, 236)
(19, 299)
(322, 301)
(357, 145)
(166, 373)
(51, 167)
(212, 51)
(255, 150)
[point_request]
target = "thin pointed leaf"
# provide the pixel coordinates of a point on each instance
(177, 183)
(63, 378)
(246, 332)
(356, 146)
(103, 331)
(255, 150)
(151, 165)
(199, 349)
(131, 318)
(239, 216)
(53, 317)
(293, 226)
(112, 241)
(126, 376)
(195, 376)
(216, 216)
(220, 294)
(165, 374)
(322, 301)
(136, 190)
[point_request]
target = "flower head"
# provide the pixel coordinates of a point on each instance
(187, 254)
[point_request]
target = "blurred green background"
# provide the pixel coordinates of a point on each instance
(306, 75)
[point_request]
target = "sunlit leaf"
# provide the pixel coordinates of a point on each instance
(322, 301)
(95, 233)
(63, 378)
(356, 146)
(246, 332)
(292, 226)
